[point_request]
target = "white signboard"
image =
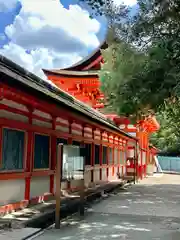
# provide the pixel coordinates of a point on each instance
(73, 163)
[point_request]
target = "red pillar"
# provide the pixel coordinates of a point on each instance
(141, 156)
(100, 157)
(123, 158)
(83, 145)
(92, 156)
(69, 143)
(70, 132)
(53, 155)
(107, 169)
(126, 155)
(29, 158)
(1, 143)
(113, 156)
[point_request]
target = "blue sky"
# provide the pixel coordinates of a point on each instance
(7, 17)
(55, 34)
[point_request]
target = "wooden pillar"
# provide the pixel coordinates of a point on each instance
(124, 149)
(126, 154)
(83, 127)
(82, 142)
(100, 156)
(92, 155)
(82, 185)
(107, 169)
(148, 153)
(83, 145)
(53, 155)
(69, 141)
(58, 186)
(141, 156)
(1, 129)
(70, 132)
(118, 157)
(141, 139)
(1, 144)
(113, 158)
(29, 157)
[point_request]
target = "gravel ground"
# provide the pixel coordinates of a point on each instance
(148, 210)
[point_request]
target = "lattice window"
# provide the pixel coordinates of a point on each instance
(41, 151)
(97, 151)
(104, 160)
(110, 156)
(88, 154)
(116, 156)
(13, 142)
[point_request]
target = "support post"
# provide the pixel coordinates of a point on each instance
(100, 157)
(53, 155)
(113, 157)
(82, 187)
(135, 163)
(58, 185)
(92, 156)
(134, 170)
(29, 157)
(81, 209)
(107, 169)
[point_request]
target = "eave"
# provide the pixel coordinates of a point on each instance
(66, 73)
(90, 61)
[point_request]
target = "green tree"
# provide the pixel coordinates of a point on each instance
(121, 68)
(136, 82)
(156, 20)
(141, 74)
(116, 16)
(168, 137)
(146, 74)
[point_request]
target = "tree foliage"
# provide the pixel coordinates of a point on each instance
(156, 20)
(141, 73)
(168, 137)
(116, 16)
(145, 75)
(136, 82)
(107, 8)
(119, 79)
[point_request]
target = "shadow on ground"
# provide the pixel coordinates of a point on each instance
(144, 211)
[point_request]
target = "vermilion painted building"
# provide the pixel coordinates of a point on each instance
(35, 116)
(82, 81)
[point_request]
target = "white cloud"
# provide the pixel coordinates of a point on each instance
(54, 36)
(37, 59)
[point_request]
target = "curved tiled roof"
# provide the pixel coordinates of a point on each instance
(70, 73)
(83, 67)
(79, 66)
